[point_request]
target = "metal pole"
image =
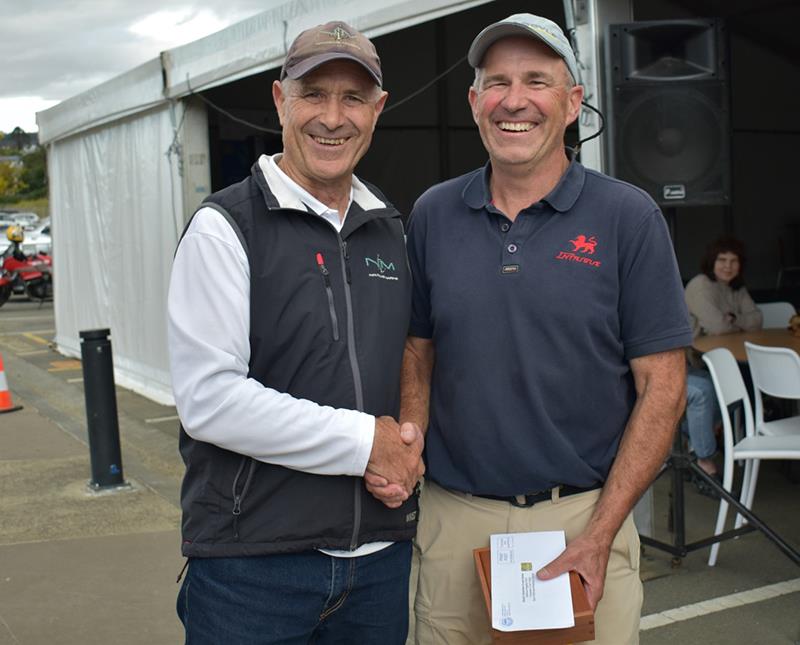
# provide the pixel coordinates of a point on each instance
(101, 409)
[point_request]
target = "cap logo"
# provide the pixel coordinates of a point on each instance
(338, 36)
(541, 30)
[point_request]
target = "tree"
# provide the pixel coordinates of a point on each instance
(11, 182)
(34, 173)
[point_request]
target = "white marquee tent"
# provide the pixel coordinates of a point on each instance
(128, 162)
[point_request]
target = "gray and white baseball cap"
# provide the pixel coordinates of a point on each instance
(524, 24)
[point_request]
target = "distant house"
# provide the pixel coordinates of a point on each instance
(19, 140)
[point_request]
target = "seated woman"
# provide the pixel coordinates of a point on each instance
(718, 303)
(717, 299)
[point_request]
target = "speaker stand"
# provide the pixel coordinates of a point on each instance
(679, 462)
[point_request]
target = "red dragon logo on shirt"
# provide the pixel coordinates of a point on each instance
(582, 245)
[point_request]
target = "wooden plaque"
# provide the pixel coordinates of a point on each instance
(584, 616)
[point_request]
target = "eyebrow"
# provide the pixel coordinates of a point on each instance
(315, 87)
(534, 75)
(539, 75)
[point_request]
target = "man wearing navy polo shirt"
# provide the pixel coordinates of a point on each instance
(545, 355)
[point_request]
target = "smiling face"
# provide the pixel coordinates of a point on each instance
(328, 117)
(523, 102)
(726, 267)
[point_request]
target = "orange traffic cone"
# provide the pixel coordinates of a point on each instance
(5, 396)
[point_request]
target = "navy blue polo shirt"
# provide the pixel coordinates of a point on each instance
(534, 322)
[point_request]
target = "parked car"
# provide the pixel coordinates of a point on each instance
(28, 220)
(38, 240)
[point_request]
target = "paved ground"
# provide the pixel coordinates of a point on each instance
(77, 568)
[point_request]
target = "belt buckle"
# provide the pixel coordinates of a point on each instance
(527, 500)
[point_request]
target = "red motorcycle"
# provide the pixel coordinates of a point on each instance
(25, 274)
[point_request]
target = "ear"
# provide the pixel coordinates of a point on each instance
(574, 98)
(278, 98)
(377, 108)
(472, 97)
(381, 103)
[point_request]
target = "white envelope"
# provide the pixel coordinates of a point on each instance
(519, 599)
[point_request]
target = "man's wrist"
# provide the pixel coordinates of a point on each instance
(600, 536)
(601, 529)
(365, 430)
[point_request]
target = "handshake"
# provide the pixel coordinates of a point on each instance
(395, 464)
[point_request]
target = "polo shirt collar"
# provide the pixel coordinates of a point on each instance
(289, 194)
(477, 193)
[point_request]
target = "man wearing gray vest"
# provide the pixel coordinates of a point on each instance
(288, 309)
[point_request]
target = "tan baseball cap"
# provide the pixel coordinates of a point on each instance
(332, 41)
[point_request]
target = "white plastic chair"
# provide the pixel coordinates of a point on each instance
(775, 372)
(776, 314)
(730, 389)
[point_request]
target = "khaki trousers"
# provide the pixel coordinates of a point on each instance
(448, 605)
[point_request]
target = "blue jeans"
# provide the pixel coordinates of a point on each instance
(702, 412)
(298, 598)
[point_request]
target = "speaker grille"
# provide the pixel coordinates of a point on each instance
(673, 136)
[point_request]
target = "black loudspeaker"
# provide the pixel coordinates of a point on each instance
(669, 107)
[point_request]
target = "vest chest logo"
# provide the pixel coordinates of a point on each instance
(381, 268)
(583, 245)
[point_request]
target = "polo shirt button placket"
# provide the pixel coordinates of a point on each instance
(510, 263)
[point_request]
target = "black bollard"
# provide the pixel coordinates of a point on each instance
(101, 409)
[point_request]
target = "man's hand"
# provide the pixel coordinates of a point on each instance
(587, 556)
(395, 465)
(660, 381)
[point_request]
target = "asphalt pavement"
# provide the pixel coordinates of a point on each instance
(77, 567)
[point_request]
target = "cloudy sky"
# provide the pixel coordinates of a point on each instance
(51, 49)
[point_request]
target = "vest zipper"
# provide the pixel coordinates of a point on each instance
(351, 349)
(346, 255)
(238, 496)
(331, 307)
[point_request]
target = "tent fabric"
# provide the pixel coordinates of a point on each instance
(260, 43)
(117, 221)
(138, 89)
